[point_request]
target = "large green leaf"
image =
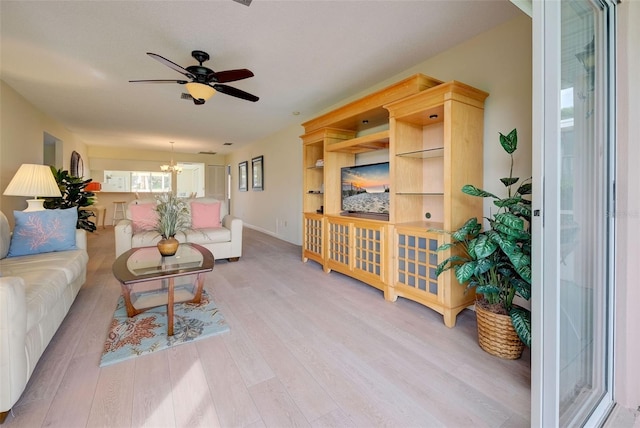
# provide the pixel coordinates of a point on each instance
(507, 202)
(521, 209)
(525, 273)
(487, 289)
(508, 181)
(506, 242)
(509, 142)
(522, 288)
(510, 220)
(510, 233)
(519, 260)
(465, 271)
(483, 266)
(449, 263)
(446, 246)
(521, 320)
(525, 189)
(483, 247)
(474, 191)
(469, 229)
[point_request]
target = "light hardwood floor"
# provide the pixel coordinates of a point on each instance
(305, 349)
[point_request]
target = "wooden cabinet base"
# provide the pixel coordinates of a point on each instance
(448, 313)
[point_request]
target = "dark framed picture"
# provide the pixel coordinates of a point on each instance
(77, 165)
(257, 171)
(242, 176)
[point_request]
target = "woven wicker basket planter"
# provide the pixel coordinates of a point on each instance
(497, 336)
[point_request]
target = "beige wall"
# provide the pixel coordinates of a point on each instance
(498, 61)
(22, 128)
(627, 348)
(277, 210)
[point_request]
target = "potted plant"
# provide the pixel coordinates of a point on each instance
(73, 195)
(173, 217)
(496, 262)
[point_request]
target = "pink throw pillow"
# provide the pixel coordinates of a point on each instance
(205, 215)
(143, 217)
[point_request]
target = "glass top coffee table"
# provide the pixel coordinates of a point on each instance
(149, 280)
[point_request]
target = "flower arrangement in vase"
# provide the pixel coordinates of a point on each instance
(173, 217)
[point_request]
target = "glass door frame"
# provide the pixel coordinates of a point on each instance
(547, 26)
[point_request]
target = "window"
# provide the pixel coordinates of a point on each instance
(136, 181)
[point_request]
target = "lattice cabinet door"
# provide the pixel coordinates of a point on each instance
(417, 260)
(338, 245)
(368, 253)
(312, 248)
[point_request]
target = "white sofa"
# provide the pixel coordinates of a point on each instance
(224, 241)
(36, 292)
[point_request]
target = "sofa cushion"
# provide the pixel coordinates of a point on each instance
(5, 236)
(205, 215)
(143, 217)
(46, 277)
(43, 231)
(208, 235)
(146, 238)
(138, 202)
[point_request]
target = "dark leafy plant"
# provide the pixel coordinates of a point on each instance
(497, 262)
(73, 195)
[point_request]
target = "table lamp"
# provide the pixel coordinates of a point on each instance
(33, 180)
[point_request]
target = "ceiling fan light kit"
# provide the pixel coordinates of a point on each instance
(200, 91)
(204, 81)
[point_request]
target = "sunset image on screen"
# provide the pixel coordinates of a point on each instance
(365, 188)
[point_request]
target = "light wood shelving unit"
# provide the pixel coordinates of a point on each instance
(434, 141)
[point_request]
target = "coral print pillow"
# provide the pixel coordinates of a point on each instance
(43, 231)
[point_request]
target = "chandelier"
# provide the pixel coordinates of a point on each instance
(172, 167)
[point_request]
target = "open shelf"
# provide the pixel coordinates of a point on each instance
(424, 154)
(366, 143)
(420, 193)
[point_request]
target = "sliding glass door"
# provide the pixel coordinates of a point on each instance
(573, 153)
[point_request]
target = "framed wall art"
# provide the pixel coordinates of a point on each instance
(77, 165)
(242, 176)
(257, 172)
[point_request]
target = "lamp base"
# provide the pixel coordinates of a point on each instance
(34, 205)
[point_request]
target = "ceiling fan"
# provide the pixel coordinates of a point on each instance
(204, 82)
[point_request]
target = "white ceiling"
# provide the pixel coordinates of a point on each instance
(73, 60)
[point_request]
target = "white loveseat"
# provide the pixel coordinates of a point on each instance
(36, 292)
(223, 239)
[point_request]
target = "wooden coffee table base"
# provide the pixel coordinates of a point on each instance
(160, 299)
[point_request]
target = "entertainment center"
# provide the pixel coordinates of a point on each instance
(430, 133)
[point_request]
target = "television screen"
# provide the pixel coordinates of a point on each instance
(365, 189)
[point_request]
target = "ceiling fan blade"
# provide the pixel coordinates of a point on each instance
(182, 82)
(171, 65)
(234, 92)
(229, 75)
(244, 2)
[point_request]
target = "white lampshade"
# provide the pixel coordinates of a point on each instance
(33, 180)
(200, 90)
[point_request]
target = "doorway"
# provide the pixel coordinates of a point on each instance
(574, 84)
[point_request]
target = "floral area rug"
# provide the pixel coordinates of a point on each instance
(147, 332)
